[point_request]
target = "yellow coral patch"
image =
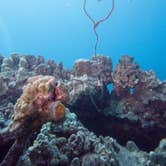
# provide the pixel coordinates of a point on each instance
(37, 85)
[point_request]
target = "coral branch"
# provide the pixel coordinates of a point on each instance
(14, 153)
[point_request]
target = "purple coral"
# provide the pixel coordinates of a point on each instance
(126, 75)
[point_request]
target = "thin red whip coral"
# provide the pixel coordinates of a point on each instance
(96, 23)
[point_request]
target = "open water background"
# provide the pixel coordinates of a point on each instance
(59, 29)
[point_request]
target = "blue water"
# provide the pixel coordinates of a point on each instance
(60, 30)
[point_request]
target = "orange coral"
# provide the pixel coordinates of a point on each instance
(57, 110)
(37, 98)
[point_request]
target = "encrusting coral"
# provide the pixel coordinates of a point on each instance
(42, 97)
(99, 67)
(126, 75)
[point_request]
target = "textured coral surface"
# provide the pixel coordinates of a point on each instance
(53, 116)
(38, 100)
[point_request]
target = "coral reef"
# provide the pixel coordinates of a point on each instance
(39, 99)
(14, 72)
(158, 157)
(90, 78)
(1, 60)
(125, 76)
(135, 108)
(3, 86)
(99, 68)
(6, 112)
(33, 92)
(69, 143)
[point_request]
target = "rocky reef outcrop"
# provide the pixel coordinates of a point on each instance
(133, 110)
(69, 143)
(131, 113)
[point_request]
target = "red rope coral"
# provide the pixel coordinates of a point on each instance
(96, 23)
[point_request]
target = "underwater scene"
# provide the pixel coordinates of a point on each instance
(83, 83)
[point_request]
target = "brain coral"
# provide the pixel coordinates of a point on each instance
(38, 101)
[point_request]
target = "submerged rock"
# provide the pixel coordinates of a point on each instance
(133, 110)
(69, 143)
